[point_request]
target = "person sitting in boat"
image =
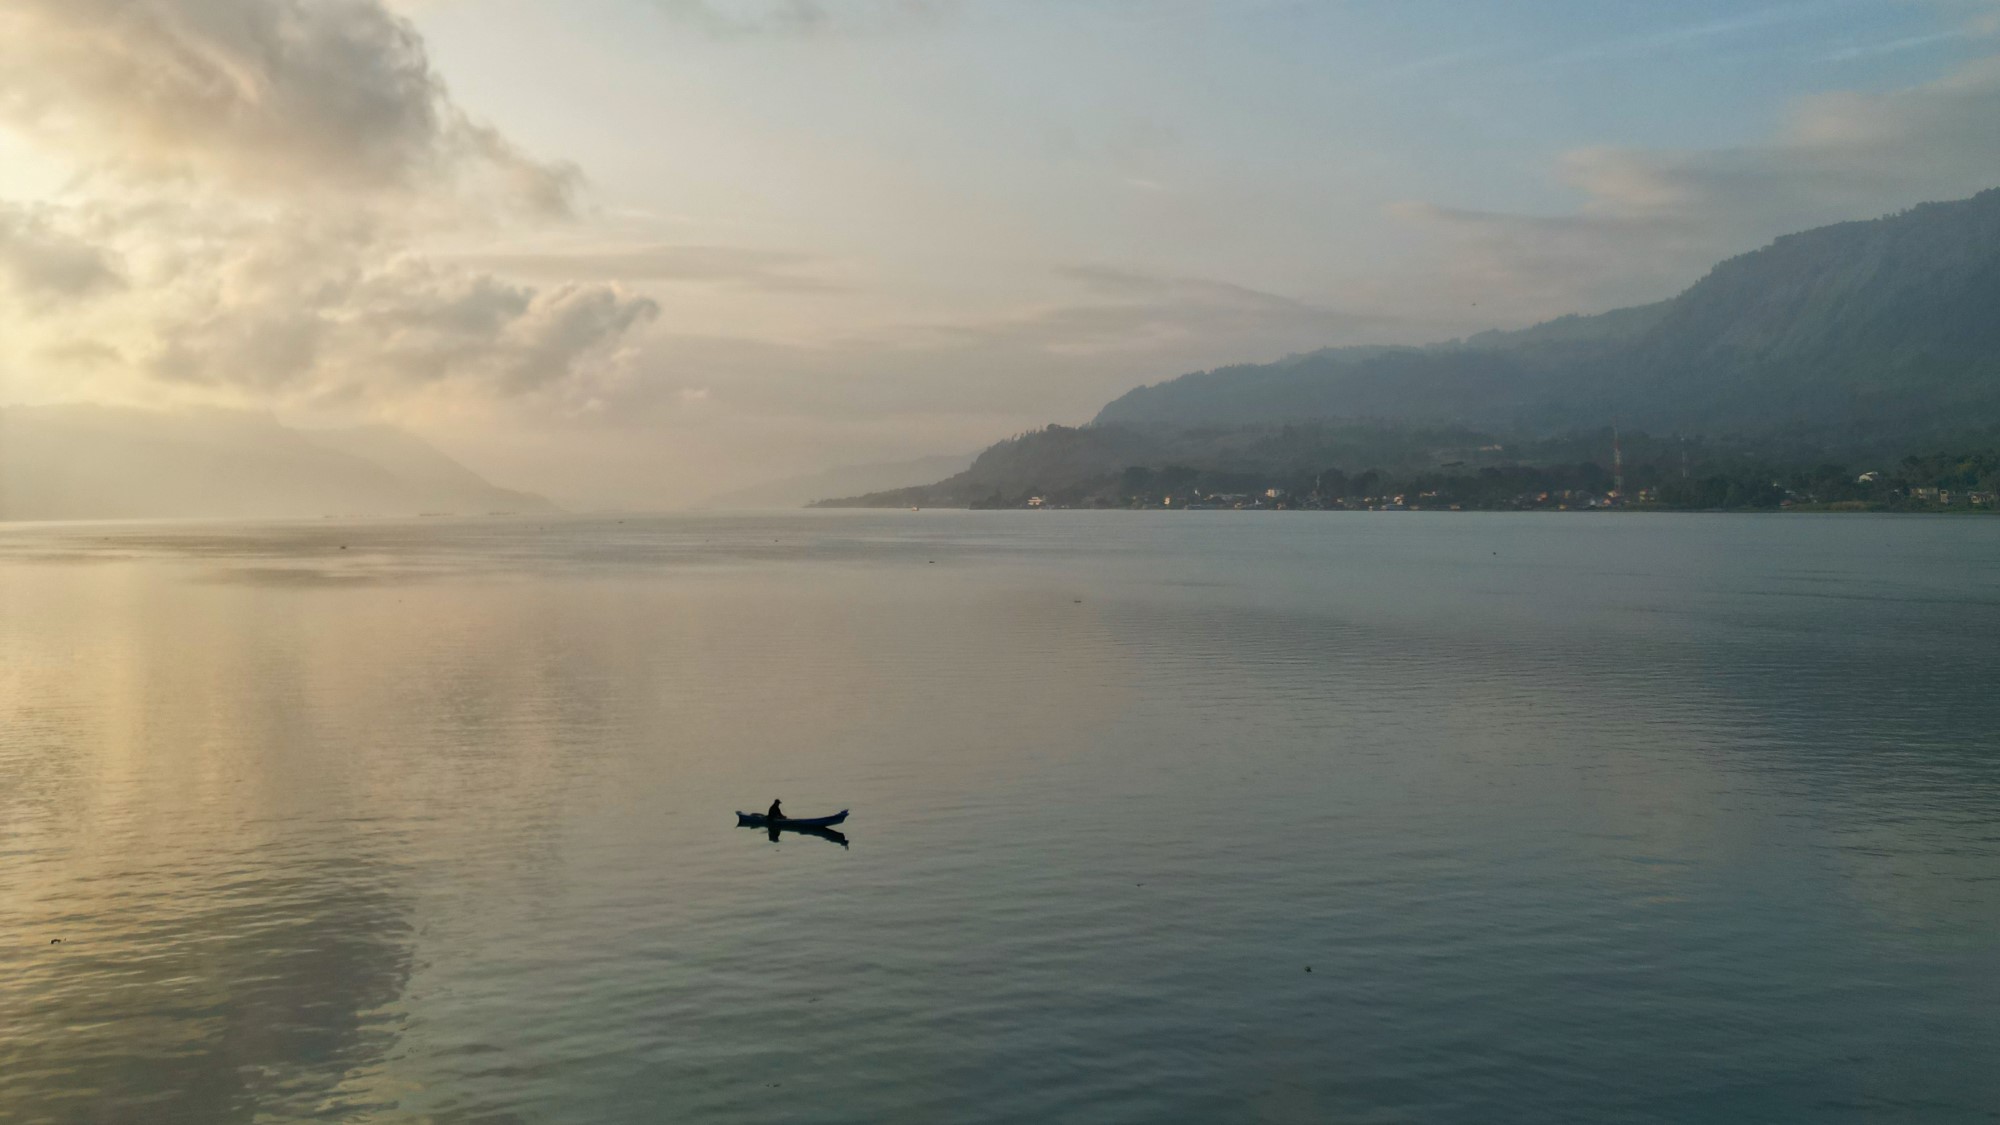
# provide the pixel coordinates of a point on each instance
(777, 811)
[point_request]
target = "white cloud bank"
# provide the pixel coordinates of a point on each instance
(1652, 220)
(249, 176)
(282, 96)
(40, 261)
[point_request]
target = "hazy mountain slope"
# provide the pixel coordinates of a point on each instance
(1885, 331)
(1057, 454)
(1859, 339)
(843, 480)
(89, 462)
(1889, 327)
(1419, 385)
(1492, 379)
(448, 485)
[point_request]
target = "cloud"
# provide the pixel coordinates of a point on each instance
(251, 173)
(1650, 43)
(1652, 220)
(1841, 155)
(804, 19)
(272, 96)
(559, 330)
(1892, 46)
(287, 309)
(1132, 311)
(1516, 269)
(1155, 287)
(771, 271)
(386, 330)
(1061, 359)
(42, 262)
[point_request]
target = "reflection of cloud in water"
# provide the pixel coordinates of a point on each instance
(253, 988)
(314, 576)
(205, 789)
(391, 551)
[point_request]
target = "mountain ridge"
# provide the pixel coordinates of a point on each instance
(1858, 338)
(73, 461)
(875, 476)
(1858, 312)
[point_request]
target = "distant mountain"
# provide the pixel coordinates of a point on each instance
(1875, 331)
(93, 462)
(844, 480)
(420, 465)
(1859, 338)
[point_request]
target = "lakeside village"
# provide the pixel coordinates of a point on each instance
(1279, 500)
(1563, 500)
(1938, 483)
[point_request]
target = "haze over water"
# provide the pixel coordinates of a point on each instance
(1573, 818)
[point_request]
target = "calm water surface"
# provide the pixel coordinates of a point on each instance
(1573, 818)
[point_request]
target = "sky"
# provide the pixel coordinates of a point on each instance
(633, 253)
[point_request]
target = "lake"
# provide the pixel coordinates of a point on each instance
(1214, 816)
